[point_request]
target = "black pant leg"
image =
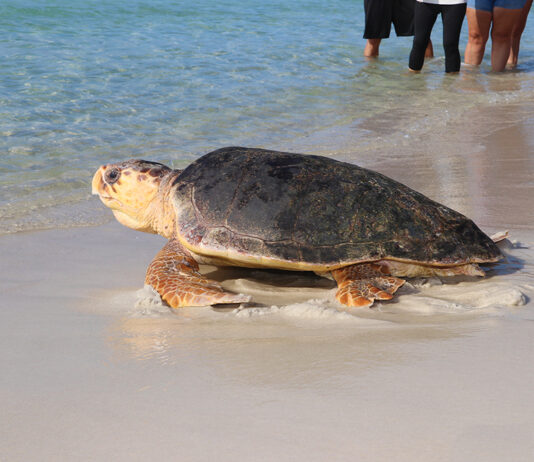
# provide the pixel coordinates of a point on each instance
(425, 17)
(452, 17)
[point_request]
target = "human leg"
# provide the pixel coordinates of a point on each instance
(516, 34)
(452, 17)
(478, 23)
(377, 24)
(424, 18)
(372, 48)
(429, 52)
(504, 20)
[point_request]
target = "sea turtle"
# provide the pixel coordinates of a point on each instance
(267, 209)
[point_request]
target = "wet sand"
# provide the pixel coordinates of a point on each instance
(94, 369)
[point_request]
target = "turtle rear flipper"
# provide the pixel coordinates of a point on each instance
(362, 284)
(174, 275)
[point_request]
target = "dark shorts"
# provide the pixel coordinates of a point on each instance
(379, 14)
(488, 5)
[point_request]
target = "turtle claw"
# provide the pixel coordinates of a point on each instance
(195, 296)
(349, 297)
(360, 285)
(361, 293)
(233, 298)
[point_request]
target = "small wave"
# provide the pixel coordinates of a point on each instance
(149, 303)
(311, 310)
(485, 299)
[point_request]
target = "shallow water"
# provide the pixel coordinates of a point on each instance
(85, 83)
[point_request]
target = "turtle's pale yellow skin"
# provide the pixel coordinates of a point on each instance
(140, 195)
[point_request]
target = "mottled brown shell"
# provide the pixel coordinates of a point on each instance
(315, 210)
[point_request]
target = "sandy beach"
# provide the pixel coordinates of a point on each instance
(93, 368)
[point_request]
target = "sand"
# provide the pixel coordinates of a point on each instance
(94, 368)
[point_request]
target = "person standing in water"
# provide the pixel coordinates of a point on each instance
(516, 34)
(379, 15)
(452, 16)
(501, 16)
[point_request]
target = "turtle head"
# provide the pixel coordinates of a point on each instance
(133, 191)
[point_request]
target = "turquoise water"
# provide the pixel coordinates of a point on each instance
(88, 82)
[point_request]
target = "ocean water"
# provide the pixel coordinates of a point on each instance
(90, 82)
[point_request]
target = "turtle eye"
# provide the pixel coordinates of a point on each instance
(112, 175)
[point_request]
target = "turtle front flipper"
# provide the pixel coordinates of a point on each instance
(362, 284)
(174, 275)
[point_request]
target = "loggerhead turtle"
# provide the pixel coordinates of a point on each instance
(266, 209)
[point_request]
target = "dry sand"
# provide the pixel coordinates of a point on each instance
(93, 369)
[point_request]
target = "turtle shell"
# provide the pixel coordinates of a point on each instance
(299, 211)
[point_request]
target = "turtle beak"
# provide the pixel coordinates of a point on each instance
(99, 185)
(97, 182)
